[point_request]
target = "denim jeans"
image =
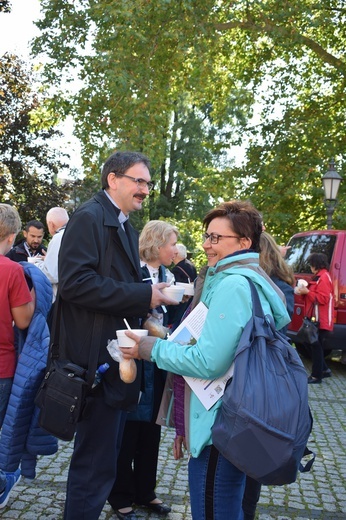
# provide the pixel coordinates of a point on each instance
(3, 481)
(216, 487)
(5, 390)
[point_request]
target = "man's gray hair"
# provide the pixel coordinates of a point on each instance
(182, 250)
(58, 216)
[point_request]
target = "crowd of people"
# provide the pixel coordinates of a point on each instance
(116, 445)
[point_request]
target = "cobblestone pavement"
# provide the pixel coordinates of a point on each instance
(319, 494)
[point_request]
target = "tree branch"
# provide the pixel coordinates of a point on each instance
(289, 33)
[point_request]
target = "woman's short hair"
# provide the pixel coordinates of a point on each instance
(272, 261)
(9, 221)
(154, 235)
(318, 261)
(244, 220)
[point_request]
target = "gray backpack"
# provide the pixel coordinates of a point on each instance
(265, 421)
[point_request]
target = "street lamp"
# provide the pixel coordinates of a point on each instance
(331, 182)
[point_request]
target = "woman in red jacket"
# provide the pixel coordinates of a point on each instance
(319, 302)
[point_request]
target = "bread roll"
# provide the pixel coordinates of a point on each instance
(154, 327)
(127, 370)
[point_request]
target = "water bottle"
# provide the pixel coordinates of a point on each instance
(98, 374)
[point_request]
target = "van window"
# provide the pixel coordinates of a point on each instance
(303, 246)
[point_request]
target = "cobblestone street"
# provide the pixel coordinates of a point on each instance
(320, 494)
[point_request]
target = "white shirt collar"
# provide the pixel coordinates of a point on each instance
(122, 217)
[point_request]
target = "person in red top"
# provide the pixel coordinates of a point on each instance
(319, 302)
(17, 306)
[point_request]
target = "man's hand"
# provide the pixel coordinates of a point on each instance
(283, 250)
(158, 298)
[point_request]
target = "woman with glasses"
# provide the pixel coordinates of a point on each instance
(232, 244)
(273, 263)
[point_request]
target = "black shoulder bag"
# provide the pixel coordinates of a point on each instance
(62, 394)
(308, 332)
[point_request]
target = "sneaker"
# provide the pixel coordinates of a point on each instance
(12, 481)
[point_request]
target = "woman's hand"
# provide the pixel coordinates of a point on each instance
(131, 352)
(179, 443)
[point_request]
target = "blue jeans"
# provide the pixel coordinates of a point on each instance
(216, 487)
(5, 391)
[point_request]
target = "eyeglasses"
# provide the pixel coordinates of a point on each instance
(214, 237)
(141, 183)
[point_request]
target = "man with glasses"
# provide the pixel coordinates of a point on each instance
(99, 234)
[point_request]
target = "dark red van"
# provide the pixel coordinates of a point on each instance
(333, 244)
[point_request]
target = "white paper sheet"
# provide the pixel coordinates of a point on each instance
(208, 391)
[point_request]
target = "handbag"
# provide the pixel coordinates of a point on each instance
(308, 332)
(62, 395)
(61, 399)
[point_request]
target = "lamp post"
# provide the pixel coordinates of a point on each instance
(331, 182)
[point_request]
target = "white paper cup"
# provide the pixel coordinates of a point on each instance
(189, 289)
(174, 292)
(125, 341)
(302, 283)
(31, 259)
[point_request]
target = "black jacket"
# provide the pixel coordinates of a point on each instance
(18, 253)
(184, 271)
(86, 292)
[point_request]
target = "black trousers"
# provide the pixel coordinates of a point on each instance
(251, 497)
(92, 469)
(317, 353)
(137, 465)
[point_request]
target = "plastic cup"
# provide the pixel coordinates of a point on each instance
(125, 341)
(189, 289)
(174, 292)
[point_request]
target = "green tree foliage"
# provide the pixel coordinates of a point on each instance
(136, 58)
(29, 163)
(5, 6)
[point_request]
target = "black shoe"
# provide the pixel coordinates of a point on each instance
(131, 515)
(326, 373)
(314, 381)
(160, 509)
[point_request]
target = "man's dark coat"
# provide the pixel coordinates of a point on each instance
(85, 292)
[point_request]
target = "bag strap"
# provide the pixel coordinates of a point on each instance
(311, 312)
(97, 325)
(185, 273)
(257, 309)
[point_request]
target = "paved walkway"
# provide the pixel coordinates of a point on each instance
(319, 494)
